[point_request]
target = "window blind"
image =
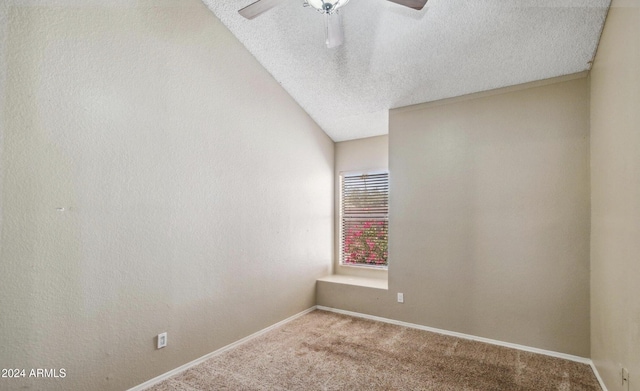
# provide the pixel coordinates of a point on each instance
(365, 219)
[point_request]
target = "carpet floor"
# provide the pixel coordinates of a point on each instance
(328, 351)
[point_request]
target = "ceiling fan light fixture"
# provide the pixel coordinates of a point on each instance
(328, 6)
(334, 33)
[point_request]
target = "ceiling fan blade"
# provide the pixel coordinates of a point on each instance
(415, 4)
(333, 29)
(258, 7)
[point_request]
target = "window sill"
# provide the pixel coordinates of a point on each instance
(368, 272)
(356, 266)
(376, 283)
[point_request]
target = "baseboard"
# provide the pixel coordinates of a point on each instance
(565, 356)
(595, 372)
(197, 361)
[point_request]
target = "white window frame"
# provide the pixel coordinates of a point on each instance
(342, 174)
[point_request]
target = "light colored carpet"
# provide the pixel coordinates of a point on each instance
(328, 351)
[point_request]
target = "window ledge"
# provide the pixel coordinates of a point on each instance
(364, 267)
(357, 281)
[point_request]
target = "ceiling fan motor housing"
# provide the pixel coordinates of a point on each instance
(328, 6)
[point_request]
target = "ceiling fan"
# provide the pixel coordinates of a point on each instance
(332, 21)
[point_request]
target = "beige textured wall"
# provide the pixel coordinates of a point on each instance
(489, 218)
(197, 193)
(615, 189)
(370, 153)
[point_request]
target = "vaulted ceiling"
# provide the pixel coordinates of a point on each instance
(395, 56)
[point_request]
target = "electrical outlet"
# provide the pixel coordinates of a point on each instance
(625, 378)
(162, 340)
(400, 297)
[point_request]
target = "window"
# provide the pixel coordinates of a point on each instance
(364, 218)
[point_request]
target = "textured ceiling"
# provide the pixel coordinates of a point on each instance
(394, 56)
